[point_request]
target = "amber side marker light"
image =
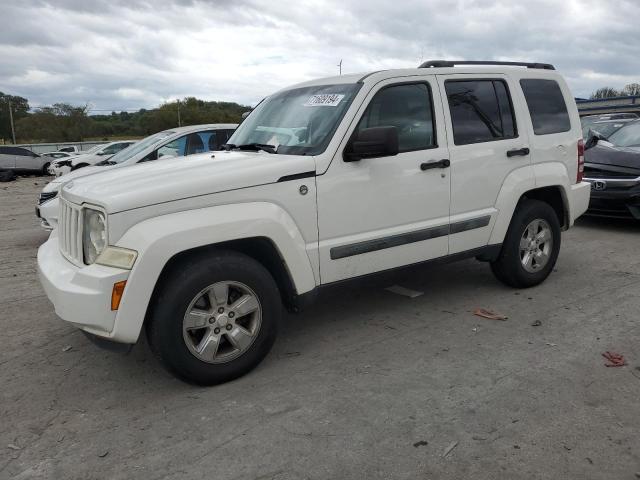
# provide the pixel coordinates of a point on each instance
(116, 294)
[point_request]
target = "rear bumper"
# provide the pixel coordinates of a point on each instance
(578, 200)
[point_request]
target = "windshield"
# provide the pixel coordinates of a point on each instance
(605, 129)
(129, 152)
(627, 136)
(94, 149)
(296, 122)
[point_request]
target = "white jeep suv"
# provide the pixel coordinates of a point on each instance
(324, 181)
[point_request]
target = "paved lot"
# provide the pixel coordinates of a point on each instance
(367, 384)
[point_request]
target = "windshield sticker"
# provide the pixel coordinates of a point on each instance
(324, 100)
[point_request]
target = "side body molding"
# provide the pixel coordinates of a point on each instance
(158, 239)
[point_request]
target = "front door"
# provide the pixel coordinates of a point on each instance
(379, 213)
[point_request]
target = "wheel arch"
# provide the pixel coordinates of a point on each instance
(263, 231)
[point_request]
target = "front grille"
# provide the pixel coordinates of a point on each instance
(594, 172)
(70, 231)
(46, 196)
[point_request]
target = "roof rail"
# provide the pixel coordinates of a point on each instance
(452, 63)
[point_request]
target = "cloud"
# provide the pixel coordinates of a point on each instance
(117, 54)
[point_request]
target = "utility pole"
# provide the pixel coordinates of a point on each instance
(179, 122)
(13, 131)
(340, 67)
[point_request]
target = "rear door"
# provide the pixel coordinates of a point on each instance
(7, 157)
(485, 146)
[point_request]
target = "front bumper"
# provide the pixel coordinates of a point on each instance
(613, 201)
(80, 295)
(48, 213)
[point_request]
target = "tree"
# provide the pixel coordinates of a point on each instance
(605, 92)
(631, 89)
(19, 107)
(59, 123)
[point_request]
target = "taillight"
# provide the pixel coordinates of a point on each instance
(580, 161)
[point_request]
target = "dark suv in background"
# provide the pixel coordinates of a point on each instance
(612, 165)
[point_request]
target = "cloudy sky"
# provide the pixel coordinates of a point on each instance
(127, 54)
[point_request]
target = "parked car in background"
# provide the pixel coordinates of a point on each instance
(179, 142)
(21, 160)
(95, 155)
(612, 165)
(57, 155)
(70, 149)
(604, 127)
(325, 181)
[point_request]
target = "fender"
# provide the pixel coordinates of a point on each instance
(519, 182)
(158, 239)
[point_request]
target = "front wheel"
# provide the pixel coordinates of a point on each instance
(531, 246)
(45, 169)
(215, 317)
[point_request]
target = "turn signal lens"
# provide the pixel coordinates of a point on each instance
(116, 294)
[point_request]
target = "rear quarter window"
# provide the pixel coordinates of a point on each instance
(546, 105)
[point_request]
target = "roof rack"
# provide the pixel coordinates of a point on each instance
(452, 63)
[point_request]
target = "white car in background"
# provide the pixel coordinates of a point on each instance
(96, 155)
(57, 155)
(175, 142)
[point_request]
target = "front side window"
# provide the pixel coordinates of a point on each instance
(546, 106)
(409, 109)
(481, 111)
(175, 148)
(299, 121)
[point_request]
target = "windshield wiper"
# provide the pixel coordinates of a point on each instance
(105, 162)
(251, 146)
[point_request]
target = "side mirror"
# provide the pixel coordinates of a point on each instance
(372, 143)
(593, 139)
(246, 114)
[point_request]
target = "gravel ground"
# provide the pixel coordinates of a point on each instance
(365, 384)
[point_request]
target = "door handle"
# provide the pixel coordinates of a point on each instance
(520, 152)
(444, 163)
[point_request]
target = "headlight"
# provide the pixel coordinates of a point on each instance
(94, 235)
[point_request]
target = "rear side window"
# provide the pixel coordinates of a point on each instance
(546, 106)
(481, 111)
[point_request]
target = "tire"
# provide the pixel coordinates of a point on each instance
(513, 267)
(7, 175)
(80, 165)
(176, 341)
(45, 169)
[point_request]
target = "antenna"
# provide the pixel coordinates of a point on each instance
(340, 67)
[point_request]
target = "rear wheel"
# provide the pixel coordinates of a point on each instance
(531, 246)
(215, 317)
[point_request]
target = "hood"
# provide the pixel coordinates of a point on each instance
(54, 185)
(90, 159)
(605, 153)
(150, 183)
